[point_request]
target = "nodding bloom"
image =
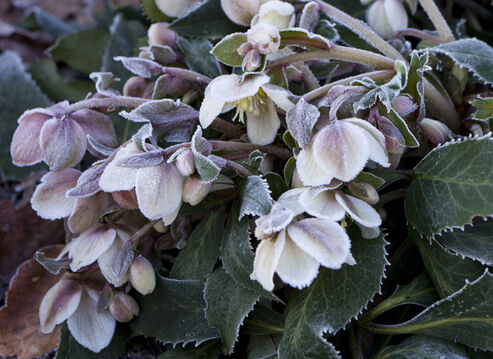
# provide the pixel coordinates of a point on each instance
(241, 12)
(277, 13)
(178, 9)
(57, 138)
(253, 97)
(341, 150)
(386, 17)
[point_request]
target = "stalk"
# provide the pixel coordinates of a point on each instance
(438, 20)
(249, 147)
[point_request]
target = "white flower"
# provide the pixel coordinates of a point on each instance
(264, 38)
(386, 17)
(178, 8)
(252, 95)
(241, 12)
(277, 13)
(341, 150)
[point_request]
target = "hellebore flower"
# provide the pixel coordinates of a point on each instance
(241, 12)
(341, 150)
(50, 135)
(277, 13)
(176, 8)
(252, 95)
(386, 16)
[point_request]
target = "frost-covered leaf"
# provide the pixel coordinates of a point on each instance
(226, 50)
(200, 254)
(255, 160)
(420, 292)
(401, 125)
(415, 86)
(334, 298)
(255, 197)
(207, 169)
(484, 108)
(451, 185)
(475, 241)
(473, 54)
(208, 350)
(152, 11)
(141, 67)
(297, 36)
(197, 53)
(263, 346)
(228, 303)
(421, 347)
(464, 317)
(300, 120)
(328, 30)
(174, 313)
(217, 25)
(51, 264)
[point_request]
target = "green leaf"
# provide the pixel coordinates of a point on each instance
(333, 299)
(46, 75)
(420, 292)
(255, 160)
(421, 347)
(451, 185)
(200, 254)
(69, 348)
(174, 313)
(302, 37)
(208, 21)
(255, 197)
(226, 50)
(263, 320)
(464, 317)
(263, 346)
(473, 54)
(370, 178)
(328, 30)
(207, 350)
(83, 50)
(18, 93)
(448, 271)
(152, 12)
(276, 183)
(484, 108)
(415, 86)
(38, 19)
(197, 53)
(207, 169)
(475, 241)
(400, 124)
(228, 303)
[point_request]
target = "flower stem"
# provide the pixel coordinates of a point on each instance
(238, 168)
(249, 147)
(438, 20)
(418, 34)
(115, 101)
(309, 78)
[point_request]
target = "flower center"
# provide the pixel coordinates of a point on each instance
(254, 104)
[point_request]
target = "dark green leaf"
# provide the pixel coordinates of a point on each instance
(276, 184)
(18, 93)
(420, 292)
(226, 50)
(264, 320)
(174, 313)
(333, 299)
(197, 53)
(415, 86)
(263, 346)
(420, 347)
(255, 197)
(207, 350)
(37, 18)
(83, 50)
(199, 256)
(228, 303)
(152, 12)
(208, 21)
(484, 108)
(401, 125)
(452, 184)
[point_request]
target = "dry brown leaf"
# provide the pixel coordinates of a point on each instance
(20, 332)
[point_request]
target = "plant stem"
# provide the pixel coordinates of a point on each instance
(309, 78)
(238, 168)
(142, 231)
(115, 101)
(438, 20)
(227, 128)
(243, 147)
(418, 34)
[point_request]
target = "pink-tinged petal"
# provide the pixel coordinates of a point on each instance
(63, 142)
(126, 199)
(98, 125)
(323, 239)
(309, 172)
(229, 88)
(296, 267)
(266, 260)
(49, 199)
(105, 262)
(359, 210)
(376, 141)
(59, 303)
(88, 210)
(279, 95)
(87, 248)
(210, 108)
(291, 200)
(276, 220)
(25, 149)
(322, 203)
(341, 149)
(90, 328)
(262, 128)
(116, 178)
(159, 190)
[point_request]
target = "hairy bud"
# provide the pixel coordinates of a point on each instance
(138, 87)
(185, 163)
(195, 191)
(277, 13)
(240, 12)
(264, 38)
(142, 275)
(436, 131)
(123, 307)
(363, 191)
(160, 34)
(404, 105)
(386, 16)
(310, 16)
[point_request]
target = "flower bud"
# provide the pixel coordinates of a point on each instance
(277, 13)
(264, 38)
(142, 275)
(364, 191)
(386, 16)
(123, 307)
(394, 141)
(436, 131)
(240, 12)
(403, 105)
(252, 61)
(138, 87)
(160, 34)
(176, 8)
(310, 16)
(185, 163)
(195, 191)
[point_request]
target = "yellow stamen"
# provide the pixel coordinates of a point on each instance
(254, 104)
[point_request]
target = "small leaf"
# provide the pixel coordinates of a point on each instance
(401, 125)
(50, 264)
(370, 178)
(198, 56)
(255, 160)
(174, 313)
(207, 169)
(228, 303)
(226, 50)
(200, 254)
(415, 85)
(484, 108)
(297, 36)
(300, 120)
(255, 197)
(451, 185)
(328, 30)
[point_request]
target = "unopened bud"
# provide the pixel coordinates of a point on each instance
(123, 307)
(403, 105)
(264, 38)
(386, 16)
(142, 275)
(310, 16)
(159, 33)
(252, 60)
(240, 12)
(277, 13)
(195, 191)
(437, 132)
(185, 162)
(364, 191)
(138, 87)
(126, 199)
(176, 8)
